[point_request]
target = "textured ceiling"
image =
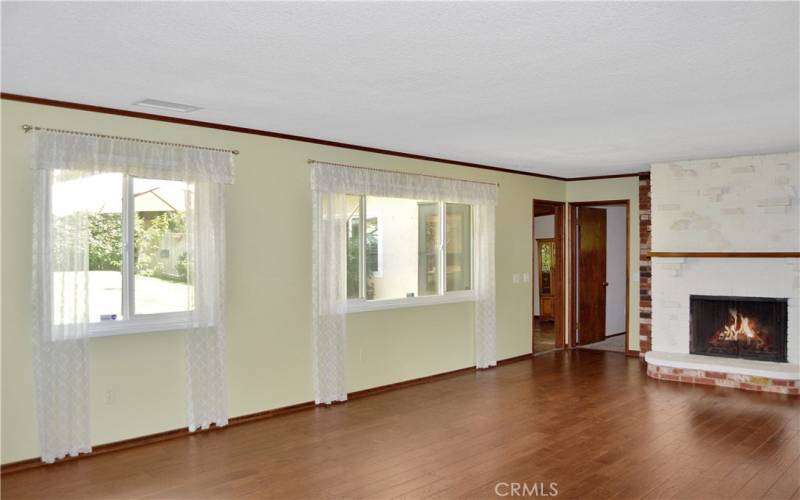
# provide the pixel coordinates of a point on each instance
(568, 89)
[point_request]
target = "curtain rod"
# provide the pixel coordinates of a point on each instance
(27, 128)
(399, 172)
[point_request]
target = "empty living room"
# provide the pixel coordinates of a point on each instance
(373, 250)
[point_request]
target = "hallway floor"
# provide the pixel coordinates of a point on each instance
(612, 344)
(544, 336)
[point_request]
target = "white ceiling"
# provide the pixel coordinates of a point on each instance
(568, 89)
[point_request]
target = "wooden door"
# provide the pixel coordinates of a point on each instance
(591, 279)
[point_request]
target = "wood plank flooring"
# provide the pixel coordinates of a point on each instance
(590, 421)
(544, 336)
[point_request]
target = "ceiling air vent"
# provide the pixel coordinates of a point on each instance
(167, 106)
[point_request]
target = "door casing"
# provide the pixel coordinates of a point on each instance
(559, 274)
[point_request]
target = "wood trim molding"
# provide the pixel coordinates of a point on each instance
(611, 176)
(278, 135)
(625, 201)
(560, 270)
(407, 383)
(125, 444)
(515, 359)
(773, 255)
(155, 438)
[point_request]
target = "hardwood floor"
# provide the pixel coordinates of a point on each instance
(544, 336)
(605, 431)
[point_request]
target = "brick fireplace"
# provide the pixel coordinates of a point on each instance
(725, 272)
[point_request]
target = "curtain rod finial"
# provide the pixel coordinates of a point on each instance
(27, 128)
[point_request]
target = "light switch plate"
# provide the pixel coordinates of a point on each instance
(526, 277)
(515, 278)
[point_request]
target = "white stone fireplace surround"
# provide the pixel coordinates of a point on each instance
(738, 206)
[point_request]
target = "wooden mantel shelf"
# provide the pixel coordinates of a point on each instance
(774, 255)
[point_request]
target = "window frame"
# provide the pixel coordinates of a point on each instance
(379, 241)
(443, 296)
(133, 323)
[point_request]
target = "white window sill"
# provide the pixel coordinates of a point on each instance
(141, 324)
(361, 305)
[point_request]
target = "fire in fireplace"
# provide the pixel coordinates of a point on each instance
(739, 327)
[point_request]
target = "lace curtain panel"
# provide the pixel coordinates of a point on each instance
(331, 178)
(68, 151)
(61, 276)
(329, 297)
(329, 184)
(205, 342)
(485, 302)
(60, 324)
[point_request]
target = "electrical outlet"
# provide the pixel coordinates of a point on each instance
(361, 355)
(109, 397)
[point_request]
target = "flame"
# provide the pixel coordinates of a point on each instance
(741, 328)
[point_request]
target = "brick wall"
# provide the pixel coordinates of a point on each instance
(645, 300)
(747, 382)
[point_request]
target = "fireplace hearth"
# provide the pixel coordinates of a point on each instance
(739, 327)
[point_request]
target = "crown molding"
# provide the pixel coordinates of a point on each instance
(278, 135)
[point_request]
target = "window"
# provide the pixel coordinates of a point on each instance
(459, 246)
(137, 249)
(160, 274)
(410, 250)
(374, 247)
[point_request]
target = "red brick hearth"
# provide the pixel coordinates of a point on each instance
(732, 380)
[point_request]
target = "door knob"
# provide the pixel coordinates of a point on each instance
(605, 283)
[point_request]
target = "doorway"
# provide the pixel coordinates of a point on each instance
(599, 276)
(548, 264)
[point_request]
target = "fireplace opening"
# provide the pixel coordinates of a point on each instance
(739, 327)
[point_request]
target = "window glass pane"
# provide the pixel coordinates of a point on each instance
(374, 246)
(397, 248)
(96, 201)
(353, 243)
(160, 274)
(458, 232)
(428, 268)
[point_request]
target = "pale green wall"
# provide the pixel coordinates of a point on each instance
(268, 289)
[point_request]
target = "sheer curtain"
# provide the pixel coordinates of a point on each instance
(329, 184)
(61, 276)
(205, 344)
(60, 320)
(485, 302)
(329, 295)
